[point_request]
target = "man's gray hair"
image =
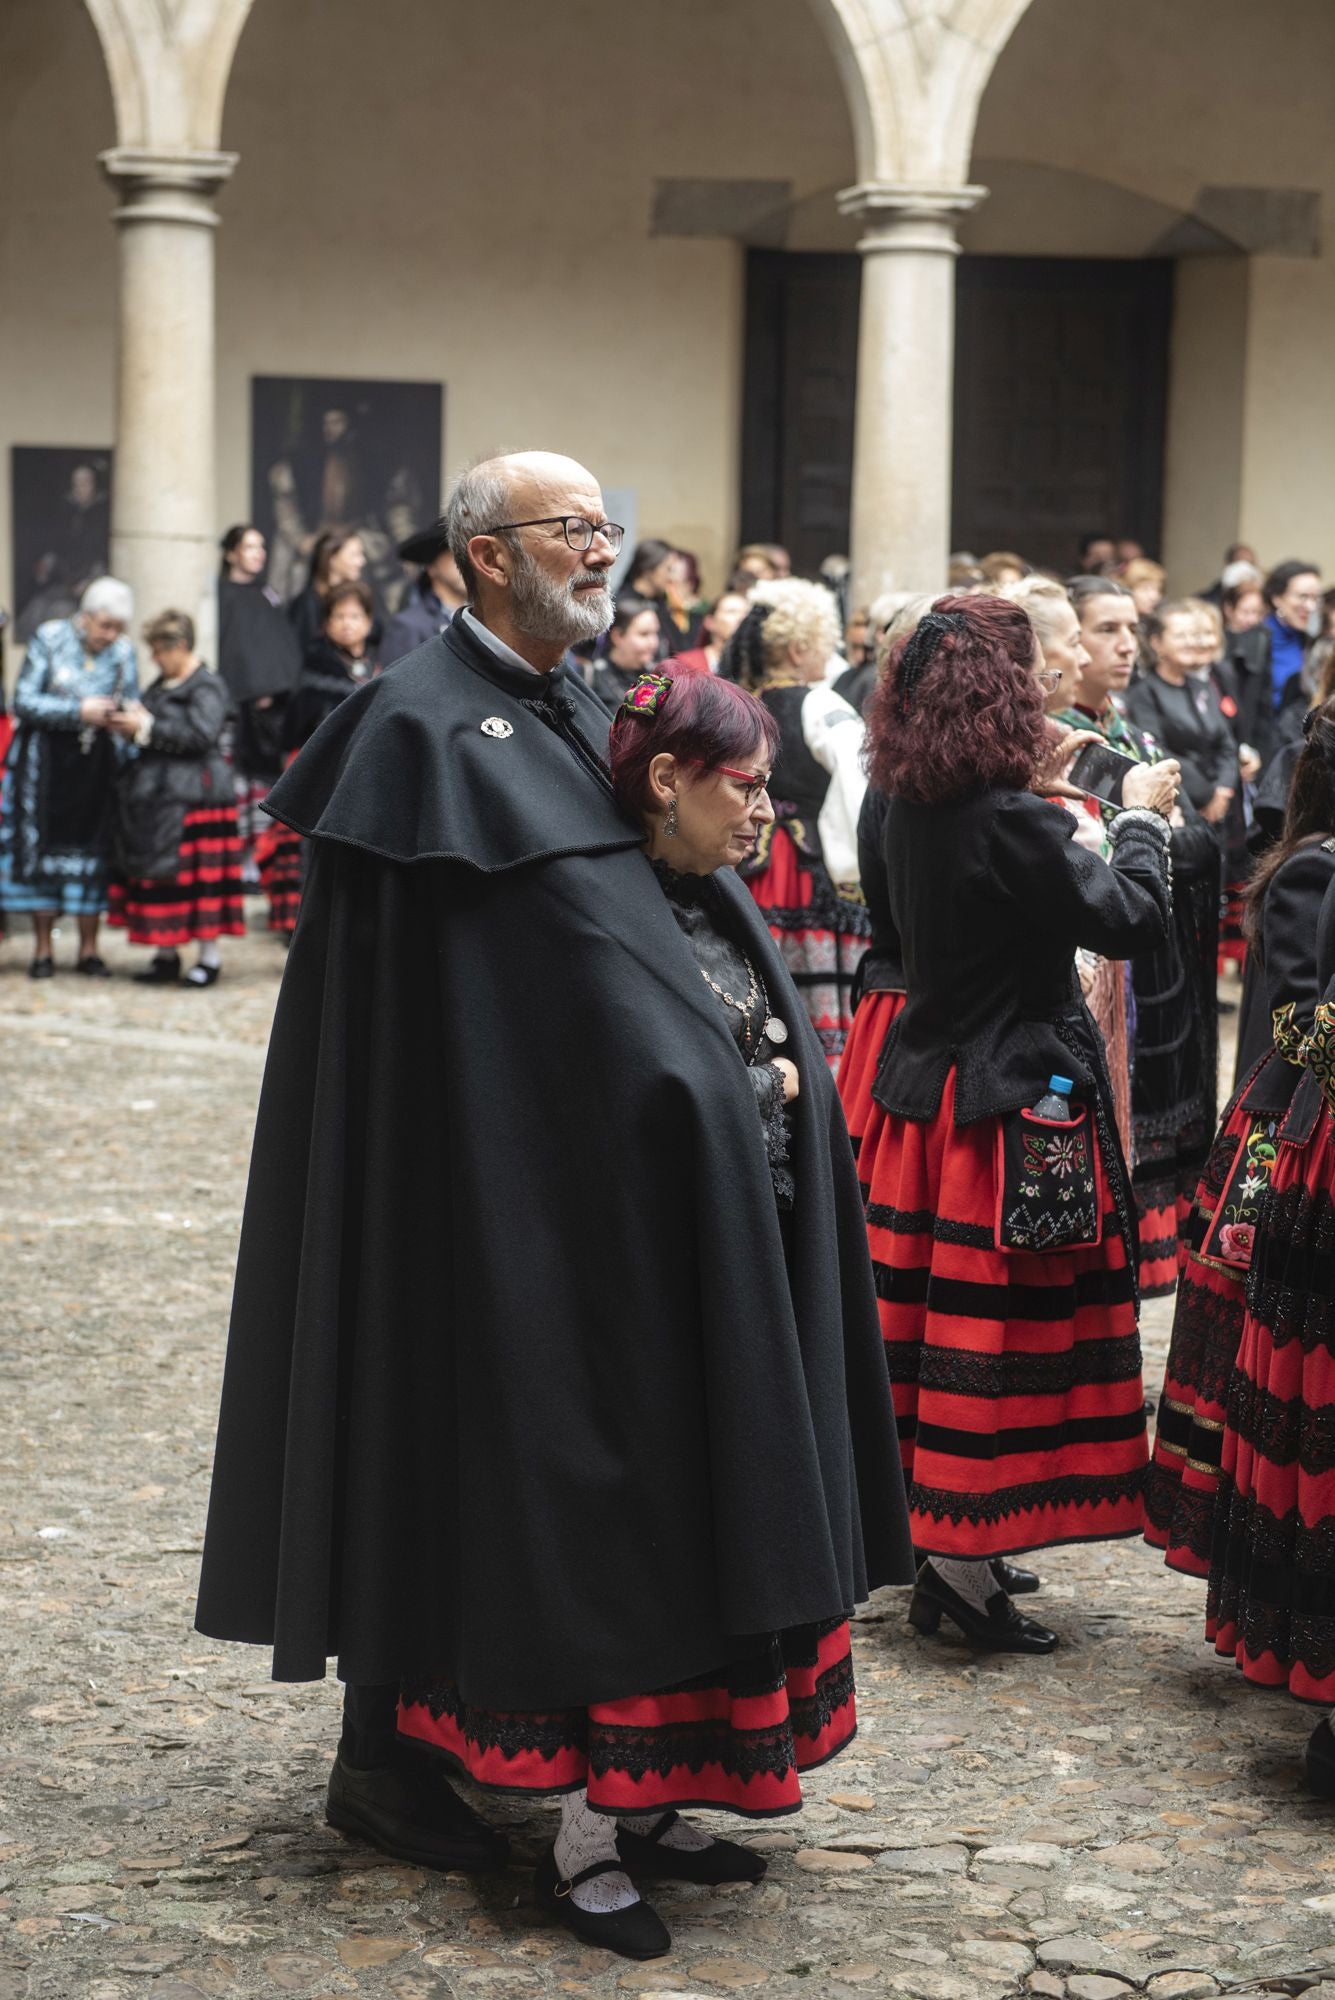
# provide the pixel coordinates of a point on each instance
(108, 597)
(481, 498)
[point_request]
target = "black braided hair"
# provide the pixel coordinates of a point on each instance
(920, 651)
(743, 658)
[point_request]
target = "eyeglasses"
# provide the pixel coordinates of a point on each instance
(755, 787)
(578, 532)
(1048, 678)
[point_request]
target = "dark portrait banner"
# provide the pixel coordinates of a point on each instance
(60, 507)
(332, 453)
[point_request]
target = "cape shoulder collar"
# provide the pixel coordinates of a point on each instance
(452, 755)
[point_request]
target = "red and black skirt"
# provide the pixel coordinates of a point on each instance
(201, 901)
(821, 935)
(1270, 1601)
(876, 1014)
(735, 1740)
(1183, 1483)
(1015, 1375)
(278, 857)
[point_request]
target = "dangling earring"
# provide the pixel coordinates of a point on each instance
(670, 822)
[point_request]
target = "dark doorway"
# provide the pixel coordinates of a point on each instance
(1061, 383)
(797, 411)
(1060, 397)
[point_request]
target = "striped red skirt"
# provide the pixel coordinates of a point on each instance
(1163, 1209)
(1183, 1482)
(1270, 1601)
(1015, 1376)
(278, 854)
(202, 900)
(876, 1015)
(736, 1740)
(821, 935)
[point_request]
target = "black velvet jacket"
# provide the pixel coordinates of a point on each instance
(882, 967)
(180, 766)
(1289, 918)
(1203, 743)
(991, 898)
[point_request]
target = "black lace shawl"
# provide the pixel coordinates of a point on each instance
(698, 909)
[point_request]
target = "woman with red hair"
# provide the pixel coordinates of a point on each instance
(998, 1211)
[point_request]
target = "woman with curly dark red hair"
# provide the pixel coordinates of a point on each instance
(998, 1211)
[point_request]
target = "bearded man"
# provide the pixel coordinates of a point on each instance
(531, 1407)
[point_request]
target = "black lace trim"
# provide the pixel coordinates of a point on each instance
(743, 1753)
(1207, 1327)
(1291, 1286)
(1183, 1515)
(1272, 1577)
(989, 1377)
(1285, 1431)
(1072, 1490)
(922, 1222)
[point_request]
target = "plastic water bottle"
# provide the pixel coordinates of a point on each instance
(1056, 1100)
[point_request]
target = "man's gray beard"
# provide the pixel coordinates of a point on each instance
(555, 613)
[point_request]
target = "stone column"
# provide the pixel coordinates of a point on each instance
(164, 526)
(906, 384)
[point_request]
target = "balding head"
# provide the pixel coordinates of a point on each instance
(505, 523)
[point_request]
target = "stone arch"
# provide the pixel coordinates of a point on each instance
(914, 72)
(169, 61)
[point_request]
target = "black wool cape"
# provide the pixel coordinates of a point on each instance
(521, 1388)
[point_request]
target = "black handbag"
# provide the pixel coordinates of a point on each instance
(1049, 1182)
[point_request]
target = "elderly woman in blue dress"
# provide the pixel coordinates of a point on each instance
(56, 804)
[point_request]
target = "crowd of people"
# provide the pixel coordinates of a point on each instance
(617, 916)
(685, 896)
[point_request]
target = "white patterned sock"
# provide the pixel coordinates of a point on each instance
(973, 1581)
(587, 1837)
(681, 1835)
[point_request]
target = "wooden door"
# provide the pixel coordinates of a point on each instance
(1060, 398)
(1061, 370)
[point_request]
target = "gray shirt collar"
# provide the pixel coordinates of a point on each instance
(495, 645)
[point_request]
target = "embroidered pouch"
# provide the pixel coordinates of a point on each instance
(1049, 1182)
(1231, 1230)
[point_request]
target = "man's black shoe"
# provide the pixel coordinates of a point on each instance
(415, 1816)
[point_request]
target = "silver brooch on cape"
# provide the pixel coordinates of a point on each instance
(497, 726)
(776, 1031)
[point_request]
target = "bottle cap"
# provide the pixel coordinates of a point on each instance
(1063, 1085)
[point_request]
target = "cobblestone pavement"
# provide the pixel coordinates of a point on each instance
(1124, 1815)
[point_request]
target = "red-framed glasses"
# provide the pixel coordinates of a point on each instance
(755, 786)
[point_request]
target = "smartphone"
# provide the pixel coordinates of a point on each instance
(1101, 770)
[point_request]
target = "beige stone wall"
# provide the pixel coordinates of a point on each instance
(57, 247)
(464, 194)
(470, 203)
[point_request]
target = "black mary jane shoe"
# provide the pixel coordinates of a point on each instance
(635, 1932)
(93, 967)
(1319, 1761)
(721, 1861)
(42, 968)
(1014, 1581)
(164, 970)
(416, 1815)
(999, 1629)
(201, 975)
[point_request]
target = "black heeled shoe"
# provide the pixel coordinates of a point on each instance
(42, 968)
(1000, 1629)
(721, 1861)
(635, 1932)
(1014, 1581)
(1319, 1761)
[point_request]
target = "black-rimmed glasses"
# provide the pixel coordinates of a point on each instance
(578, 532)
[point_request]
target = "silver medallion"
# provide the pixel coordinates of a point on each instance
(776, 1031)
(497, 726)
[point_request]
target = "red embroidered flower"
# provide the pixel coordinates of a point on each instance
(1235, 1242)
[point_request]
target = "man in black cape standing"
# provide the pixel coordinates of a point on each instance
(528, 1394)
